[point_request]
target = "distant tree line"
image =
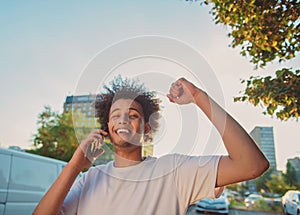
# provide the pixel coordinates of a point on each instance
(273, 182)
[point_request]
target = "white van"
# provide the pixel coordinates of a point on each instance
(24, 179)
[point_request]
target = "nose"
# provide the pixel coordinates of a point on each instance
(124, 119)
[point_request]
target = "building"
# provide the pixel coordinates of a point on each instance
(264, 138)
(83, 114)
(295, 162)
(82, 110)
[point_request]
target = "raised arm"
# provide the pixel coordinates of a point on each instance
(55, 196)
(244, 160)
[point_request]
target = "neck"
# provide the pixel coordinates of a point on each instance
(125, 157)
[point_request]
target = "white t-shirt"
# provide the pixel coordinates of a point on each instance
(165, 185)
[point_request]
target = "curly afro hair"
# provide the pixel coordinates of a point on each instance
(128, 89)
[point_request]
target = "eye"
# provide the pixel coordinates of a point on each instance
(115, 116)
(133, 116)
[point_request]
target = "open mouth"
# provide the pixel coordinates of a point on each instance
(123, 131)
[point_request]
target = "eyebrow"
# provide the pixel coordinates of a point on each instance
(131, 108)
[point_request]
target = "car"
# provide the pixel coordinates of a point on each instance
(252, 199)
(24, 179)
(291, 202)
(219, 205)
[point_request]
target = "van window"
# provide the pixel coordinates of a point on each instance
(30, 178)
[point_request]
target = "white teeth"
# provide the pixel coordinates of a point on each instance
(122, 130)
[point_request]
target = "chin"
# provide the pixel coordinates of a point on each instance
(127, 140)
(122, 143)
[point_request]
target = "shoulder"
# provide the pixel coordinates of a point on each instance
(95, 170)
(185, 156)
(182, 160)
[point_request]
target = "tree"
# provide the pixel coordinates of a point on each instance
(276, 184)
(272, 182)
(44, 140)
(56, 136)
(260, 182)
(290, 177)
(266, 31)
(279, 95)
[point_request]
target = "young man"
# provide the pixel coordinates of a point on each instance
(132, 184)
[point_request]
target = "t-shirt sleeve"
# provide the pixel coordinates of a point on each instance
(195, 177)
(71, 201)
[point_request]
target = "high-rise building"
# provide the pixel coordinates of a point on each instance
(83, 105)
(82, 108)
(264, 138)
(295, 162)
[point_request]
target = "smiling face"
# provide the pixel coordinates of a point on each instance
(126, 123)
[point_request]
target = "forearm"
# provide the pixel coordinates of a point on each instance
(245, 160)
(231, 131)
(54, 198)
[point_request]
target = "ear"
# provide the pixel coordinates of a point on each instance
(147, 128)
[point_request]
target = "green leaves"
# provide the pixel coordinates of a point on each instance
(265, 30)
(291, 175)
(278, 95)
(273, 182)
(55, 136)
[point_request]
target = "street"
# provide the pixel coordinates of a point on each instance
(192, 211)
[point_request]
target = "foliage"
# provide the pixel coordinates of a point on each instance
(260, 182)
(279, 95)
(290, 177)
(55, 136)
(266, 31)
(235, 187)
(58, 135)
(262, 205)
(276, 184)
(236, 203)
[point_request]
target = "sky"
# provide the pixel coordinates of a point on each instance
(49, 47)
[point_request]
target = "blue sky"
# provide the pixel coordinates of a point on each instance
(45, 46)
